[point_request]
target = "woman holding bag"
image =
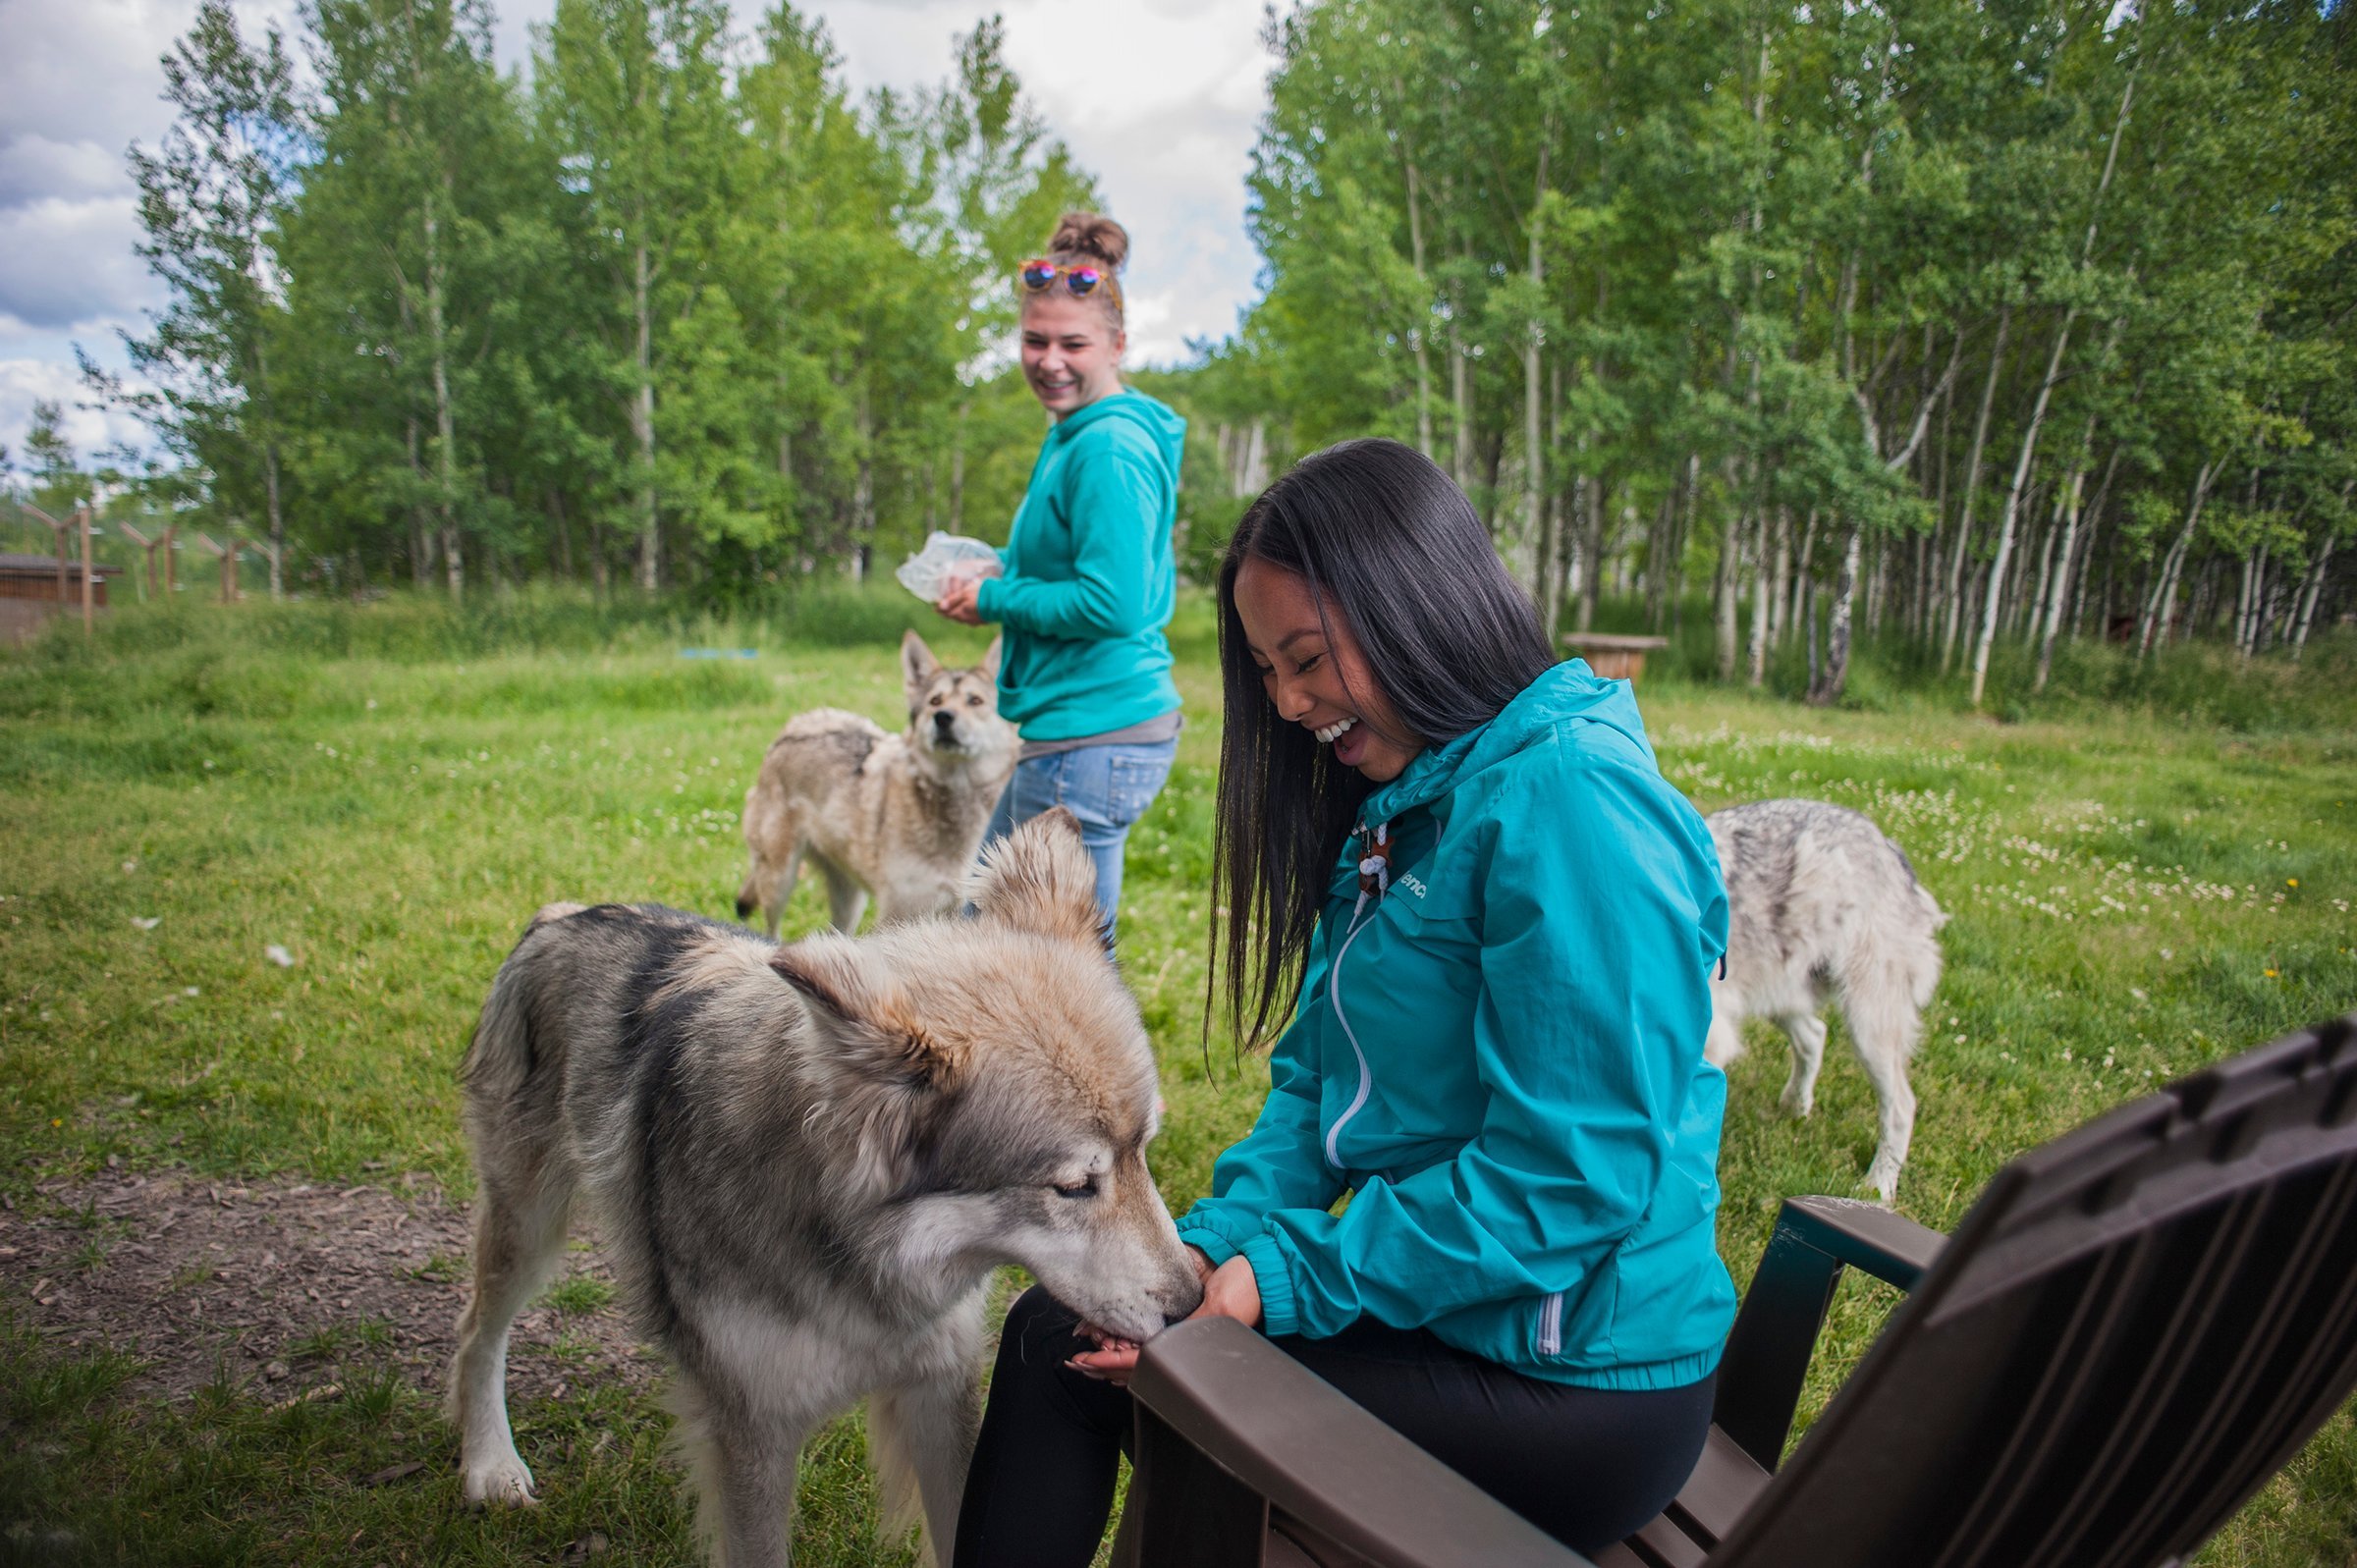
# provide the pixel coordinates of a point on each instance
(1501, 921)
(1089, 581)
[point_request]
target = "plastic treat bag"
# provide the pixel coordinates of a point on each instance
(946, 558)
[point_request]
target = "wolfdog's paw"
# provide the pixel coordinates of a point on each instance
(1797, 1102)
(504, 1482)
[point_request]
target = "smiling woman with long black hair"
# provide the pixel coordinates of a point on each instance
(1501, 921)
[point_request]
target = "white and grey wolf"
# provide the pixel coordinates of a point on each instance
(1821, 905)
(897, 816)
(806, 1160)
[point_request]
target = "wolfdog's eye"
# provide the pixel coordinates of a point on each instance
(973, 702)
(1086, 1187)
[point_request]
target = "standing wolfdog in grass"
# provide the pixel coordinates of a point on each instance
(897, 816)
(1820, 904)
(806, 1161)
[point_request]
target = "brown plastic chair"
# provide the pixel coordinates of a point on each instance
(2135, 1327)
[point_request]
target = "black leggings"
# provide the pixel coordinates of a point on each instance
(1585, 1465)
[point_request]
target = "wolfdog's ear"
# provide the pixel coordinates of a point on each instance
(989, 667)
(1040, 878)
(878, 1042)
(917, 663)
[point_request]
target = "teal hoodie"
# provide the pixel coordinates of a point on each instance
(1089, 580)
(1500, 1059)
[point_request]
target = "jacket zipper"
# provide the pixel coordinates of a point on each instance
(1334, 999)
(1550, 1325)
(1375, 878)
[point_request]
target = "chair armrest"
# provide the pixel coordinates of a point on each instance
(1768, 1352)
(1864, 1235)
(1290, 1438)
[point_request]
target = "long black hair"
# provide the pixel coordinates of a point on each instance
(1390, 546)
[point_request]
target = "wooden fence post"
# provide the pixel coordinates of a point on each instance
(57, 536)
(269, 553)
(229, 564)
(131, 531)
(90, 614)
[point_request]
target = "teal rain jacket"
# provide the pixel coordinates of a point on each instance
(1500, 1059)
(1089, 580)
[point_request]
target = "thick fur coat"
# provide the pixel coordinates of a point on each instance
(1822, 906)
(899, 817)
(806, 1161)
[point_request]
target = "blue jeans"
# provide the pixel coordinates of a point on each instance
(1108, 787)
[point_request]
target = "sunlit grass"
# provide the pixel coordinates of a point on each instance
(2129, 901)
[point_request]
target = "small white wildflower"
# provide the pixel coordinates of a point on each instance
(2065, 1053)
(187, 990)
(130, 866)
(146, 922)
(278, 955)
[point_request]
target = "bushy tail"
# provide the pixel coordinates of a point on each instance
(502, 1055)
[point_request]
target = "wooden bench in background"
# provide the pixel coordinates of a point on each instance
(1610, 655)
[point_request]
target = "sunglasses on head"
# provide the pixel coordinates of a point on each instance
(1080, 279)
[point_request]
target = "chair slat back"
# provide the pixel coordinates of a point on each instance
(2136, 1326)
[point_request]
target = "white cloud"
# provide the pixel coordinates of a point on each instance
(33, 166)
(66, 262)
(21, 381)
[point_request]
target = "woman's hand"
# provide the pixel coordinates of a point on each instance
(1231, 1291)
(1116, 1358)
(1113, 1361)
(961, 601)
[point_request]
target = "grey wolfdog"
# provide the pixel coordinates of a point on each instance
(897, 816)
(1821, 904)
(806, 1161)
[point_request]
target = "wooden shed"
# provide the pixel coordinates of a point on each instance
(33, 588)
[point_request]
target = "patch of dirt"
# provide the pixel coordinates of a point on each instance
(274, 1282)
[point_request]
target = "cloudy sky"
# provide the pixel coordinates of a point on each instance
(1159, 97)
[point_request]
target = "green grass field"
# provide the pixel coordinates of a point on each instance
(388, 791)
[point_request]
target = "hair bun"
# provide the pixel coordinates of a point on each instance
(1090, 234)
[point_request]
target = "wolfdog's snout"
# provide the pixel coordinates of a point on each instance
(1182, 1295)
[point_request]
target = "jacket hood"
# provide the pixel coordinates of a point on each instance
(1159, 422)
(1570, 692)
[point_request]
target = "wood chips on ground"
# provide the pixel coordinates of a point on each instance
(204, 1277)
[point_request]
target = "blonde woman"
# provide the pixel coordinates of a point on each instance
(1088, 580)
